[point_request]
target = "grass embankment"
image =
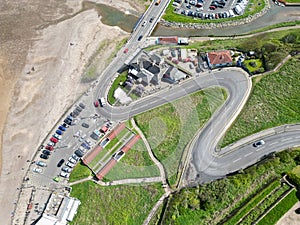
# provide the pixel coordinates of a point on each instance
(135, 164)
(79, 172)
(117, 83)
(218, 201)
(280, 209)
(274, 101)
(170, 127)
(254, 6)
(114, 204)
(293, 1)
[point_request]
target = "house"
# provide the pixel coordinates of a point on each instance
(173, 75)
(146, 68)
(219, 59)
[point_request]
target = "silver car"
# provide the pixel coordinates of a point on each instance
(41, 163)
(37, 170)
(66, 169)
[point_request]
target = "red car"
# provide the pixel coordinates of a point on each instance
(54, 140)
(212, 7)
(126, 50)
(96, 103)
(48, 147)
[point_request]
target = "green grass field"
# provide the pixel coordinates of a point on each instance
(115, 204)
(136, 163)
(79, 172)
(274, 101)
(169, 128)
(280, 209)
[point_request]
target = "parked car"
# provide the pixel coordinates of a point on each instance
(102, 101)
(81, 138)
(74, 156)
(64, 174)
(69, 164)
(82, 105)
(258, 143)
(72, 160)
(140, 37)
(46, 152)
(85, 145)
(54, 140)
(65, 125)
(48, 147)
(43, 156)
(62, 128)
(68, 122)
(85, 125)
(37, 170)
(79, 153)
(41, 163)
(59, 132)
(56, 179)
(96, 103)
(59, 164)
(66, 169)
(58, 137)
(79, 109)
(50, 143)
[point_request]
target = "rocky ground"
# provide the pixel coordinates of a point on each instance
(45, 47)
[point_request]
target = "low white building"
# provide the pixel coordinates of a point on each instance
(59, 210)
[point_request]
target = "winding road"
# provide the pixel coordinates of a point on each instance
(206, 163)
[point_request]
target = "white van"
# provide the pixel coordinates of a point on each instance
(102, 101)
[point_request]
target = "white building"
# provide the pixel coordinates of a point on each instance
(59, 210)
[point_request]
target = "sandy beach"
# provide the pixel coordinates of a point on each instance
(40, 76)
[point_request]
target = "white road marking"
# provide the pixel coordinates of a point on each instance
(248, 154)
(274, 143)
(236, 160)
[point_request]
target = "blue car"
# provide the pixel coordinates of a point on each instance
(62, 128)
(85, 145)
(59, 132)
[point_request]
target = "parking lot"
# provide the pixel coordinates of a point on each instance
(210, 9)
(76, 136)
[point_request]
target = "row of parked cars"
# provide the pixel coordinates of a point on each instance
(56, 137)
(73, 159)
(217, 4)
(210, 16)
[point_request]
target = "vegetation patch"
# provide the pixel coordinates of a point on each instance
(79, 172)
(254, 65)
(274, 101)
(280, 209)
(118, 82)
(114, 204)
(294, 176)
(169, 128)
(135, 164)
(218, 201)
